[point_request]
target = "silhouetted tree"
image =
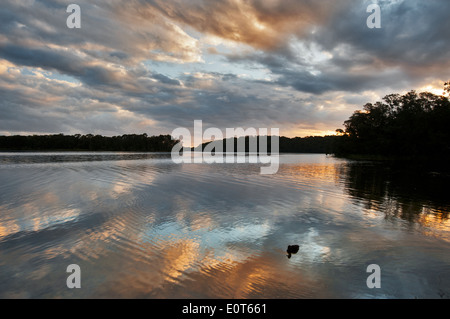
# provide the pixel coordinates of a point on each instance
(413, 125)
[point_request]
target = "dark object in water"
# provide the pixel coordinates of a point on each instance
(292, 249)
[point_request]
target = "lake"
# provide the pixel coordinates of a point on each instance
(140, 226)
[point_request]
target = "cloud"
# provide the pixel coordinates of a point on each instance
(107, 31)
(152, 65)
(262, 24)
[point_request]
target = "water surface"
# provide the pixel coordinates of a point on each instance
(140, 226)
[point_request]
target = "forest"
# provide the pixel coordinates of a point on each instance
(144, 143)
(410, 126)
(309, 144)
(89, 142)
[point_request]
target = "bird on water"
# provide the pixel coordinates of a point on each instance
(292, 249)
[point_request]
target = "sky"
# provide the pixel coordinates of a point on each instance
(150, 66)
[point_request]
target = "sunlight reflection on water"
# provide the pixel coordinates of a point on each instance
(141, 226)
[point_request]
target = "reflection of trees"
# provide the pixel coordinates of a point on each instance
(410, 194)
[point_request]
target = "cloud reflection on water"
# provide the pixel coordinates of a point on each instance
(144, 228)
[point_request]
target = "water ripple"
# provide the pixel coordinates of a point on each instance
(141, 226)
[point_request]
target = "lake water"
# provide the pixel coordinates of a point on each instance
(140, 226)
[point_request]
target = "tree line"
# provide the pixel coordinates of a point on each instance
(89, 142)
(309, 144)
(411, 126)
(144, 143)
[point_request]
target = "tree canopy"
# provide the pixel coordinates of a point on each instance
(413, 125)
